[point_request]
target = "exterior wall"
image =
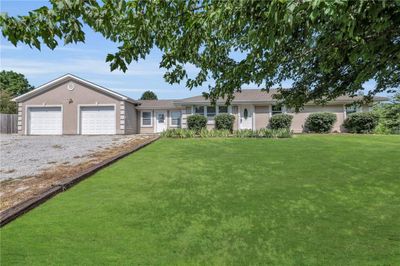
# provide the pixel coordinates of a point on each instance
(152, 129)
(169, 118)
(146, 129)
(235, 113)
(185, 114)
(70, 100)
(300, 117)
(262, 116)
(130, 119)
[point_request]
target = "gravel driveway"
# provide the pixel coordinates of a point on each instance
(29, 155)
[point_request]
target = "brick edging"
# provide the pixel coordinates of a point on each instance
(14, 212)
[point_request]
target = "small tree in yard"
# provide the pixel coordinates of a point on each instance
(389, 116)
(149, 95)
(224, 121)
(197, 122)
(280, 121)
(320, 122)
(361, 122)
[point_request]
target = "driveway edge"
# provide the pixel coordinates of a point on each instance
(25, 206)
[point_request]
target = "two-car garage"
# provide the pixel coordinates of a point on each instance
(70, 105)
(93, 120)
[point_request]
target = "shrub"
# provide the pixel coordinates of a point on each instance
(214, 133)
(280, 121)
(361, 122)
(389, 116)
(178, 133)
(224, 121)
(282, 133)
(320, 122)
(243, 133)
(197, 122)
(263, 133)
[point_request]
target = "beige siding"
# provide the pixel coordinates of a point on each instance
(235, 111)
(130, 119)
(70, 101)
(169, 119)
(300, 117)
(262, 116)
(152, 129)
(146, 129)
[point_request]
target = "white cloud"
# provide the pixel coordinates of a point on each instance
(77, 65)
(77, 50)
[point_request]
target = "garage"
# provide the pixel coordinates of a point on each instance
(97, 120)
(45, 121)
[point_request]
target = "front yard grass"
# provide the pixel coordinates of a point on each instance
(326, 200)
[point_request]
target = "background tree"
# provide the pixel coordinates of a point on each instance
(12, 84)
(389, 116)
(328, 48)
(148, 95)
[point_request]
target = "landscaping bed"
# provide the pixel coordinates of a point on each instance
(308, 200)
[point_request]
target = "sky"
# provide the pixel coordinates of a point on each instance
(87, 60)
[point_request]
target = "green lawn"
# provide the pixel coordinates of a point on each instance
(326, 200)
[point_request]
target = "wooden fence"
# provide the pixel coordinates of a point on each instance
(8, 123)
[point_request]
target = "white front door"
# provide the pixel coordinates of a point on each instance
(98, 120)
(246, 116)
(44, 121)
(161, 121)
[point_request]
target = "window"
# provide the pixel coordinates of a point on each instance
(175, 118)
(350, 109)
(161, 117)
(276, 109)
(211, 111)
(245, 113)
(146, 119)
(222, 109)
(189, 110)
(199, 110)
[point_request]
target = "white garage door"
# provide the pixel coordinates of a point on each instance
(98, 120)
(44, 121)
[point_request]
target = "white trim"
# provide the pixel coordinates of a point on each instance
(240, 107)
(253, 126)
(165, 112)
(170, 118)
(78, 127)
(41, 106)
(66, 77)
(141, 118)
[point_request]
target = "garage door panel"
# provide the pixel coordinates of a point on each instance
(98, 120)
(45, 121)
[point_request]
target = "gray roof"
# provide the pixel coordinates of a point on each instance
(258, 95)
(156, 104)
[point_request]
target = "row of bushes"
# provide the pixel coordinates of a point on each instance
(215, 133)
(323, 122)
(316, 122)
(222, 122)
